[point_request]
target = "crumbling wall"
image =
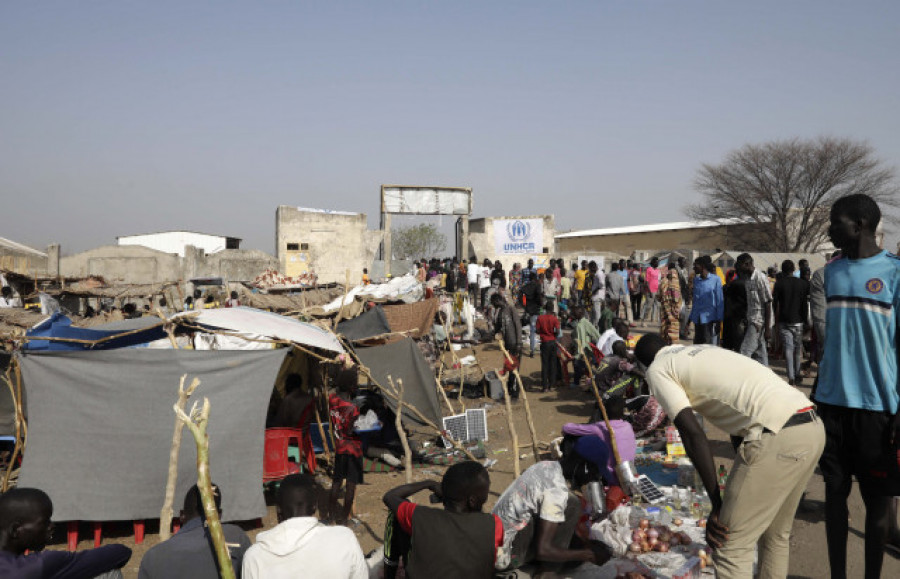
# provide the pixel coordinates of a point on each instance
(332, 242)
(135, 264)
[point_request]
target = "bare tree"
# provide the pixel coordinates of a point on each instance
(423, 240)
(786, 188)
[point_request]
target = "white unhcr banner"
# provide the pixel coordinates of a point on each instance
(519, 236)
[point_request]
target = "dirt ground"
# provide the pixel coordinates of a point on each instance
(550, 411)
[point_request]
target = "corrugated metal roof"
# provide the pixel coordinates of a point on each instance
(19, 247)
(673, 226)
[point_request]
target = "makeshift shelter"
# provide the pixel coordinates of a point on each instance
(415, 319)
(368, 325)
(64, 336)
(403, 360)
(252, 323)
(100, 408)
(100, 428)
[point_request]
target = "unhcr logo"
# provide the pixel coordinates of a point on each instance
(518, 233)
(518, 230)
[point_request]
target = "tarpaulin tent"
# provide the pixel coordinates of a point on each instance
(403, 360)
(60, 327)
(100, 428)
(370, 324)
(251, 322)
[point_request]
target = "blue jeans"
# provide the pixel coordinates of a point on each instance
(792, 336)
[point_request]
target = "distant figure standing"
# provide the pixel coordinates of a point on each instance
(365, 277)
(233, 301)
(548, 329)
(709, 303)
(791, 301)
(759, 310)
(651, 305)
(473, 272)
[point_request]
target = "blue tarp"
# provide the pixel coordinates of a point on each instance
(60, 326)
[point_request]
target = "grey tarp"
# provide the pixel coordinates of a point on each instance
(371, 323)
(100, 429)
(405, 361)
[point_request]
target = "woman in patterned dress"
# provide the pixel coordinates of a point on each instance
(670, 306)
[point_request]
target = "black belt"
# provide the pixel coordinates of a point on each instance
(800, 418)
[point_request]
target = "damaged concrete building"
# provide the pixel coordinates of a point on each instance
(325, 242)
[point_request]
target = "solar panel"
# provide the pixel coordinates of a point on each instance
(469, 426)
(476, 421)
(456, 427)
(649, 490)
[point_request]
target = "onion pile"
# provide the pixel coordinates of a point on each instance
(660, 538)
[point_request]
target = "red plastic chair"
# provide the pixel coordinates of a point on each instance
(306, 447)
(276, 465)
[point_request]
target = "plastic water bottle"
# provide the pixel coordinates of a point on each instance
(723, 476)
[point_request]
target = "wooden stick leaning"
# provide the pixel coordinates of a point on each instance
(340, 313)
(17, 401)
(197, 423)
(165, 514)
(609, 428)
(462, 369)
(512, 430)
(398, 423)
(528, 417)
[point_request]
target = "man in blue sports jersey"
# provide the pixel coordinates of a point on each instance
(857, 392)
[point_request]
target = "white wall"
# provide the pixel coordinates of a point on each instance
(175, 241)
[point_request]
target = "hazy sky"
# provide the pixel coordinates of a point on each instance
(128, 117)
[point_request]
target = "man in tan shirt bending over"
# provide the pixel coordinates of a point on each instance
(780, 441)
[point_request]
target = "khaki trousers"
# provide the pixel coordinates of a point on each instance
(761, 498)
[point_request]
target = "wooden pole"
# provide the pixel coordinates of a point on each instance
(340, 313)
(197, 423)
(322, 432)
(462, 369)
(612, 433)
(444, 394)
(512, 430)
(165, 514)
(528, 417)
(328, 409)
(12, 458)
(398, 422)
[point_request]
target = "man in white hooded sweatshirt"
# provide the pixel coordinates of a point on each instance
(300, 546)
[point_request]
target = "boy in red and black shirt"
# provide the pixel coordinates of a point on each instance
(458, 541)
(348, 463)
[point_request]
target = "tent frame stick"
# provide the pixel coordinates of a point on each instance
(517, 468)
(165, 514)
(528, 416)
(398, 423)
(609, 428)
